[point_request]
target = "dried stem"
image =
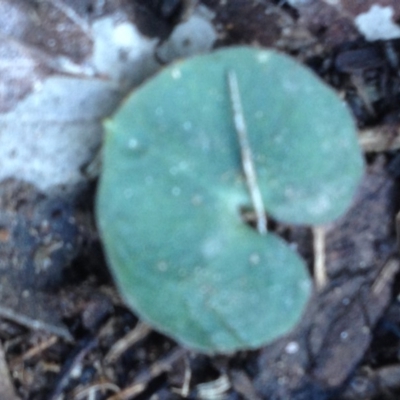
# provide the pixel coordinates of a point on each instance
(319, 257)
(246, 154)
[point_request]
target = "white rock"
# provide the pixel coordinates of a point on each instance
(122, 53)
(297, 3)
(377, 24)
(194, 36)
(50, 136)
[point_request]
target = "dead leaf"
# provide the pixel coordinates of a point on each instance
(62, 72)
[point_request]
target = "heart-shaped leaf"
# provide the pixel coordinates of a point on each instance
(172, 191)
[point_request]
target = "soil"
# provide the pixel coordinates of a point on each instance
(75, 339)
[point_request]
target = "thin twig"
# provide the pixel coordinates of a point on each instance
(35, 324)
(144, 378)
(213, 389)
(319, 257)
(140, 331)
(76, 358)
(390, 268)
(380, 138)
(72, 15)
(35, 351)
(94, 388)
(187, 377)
(246, 154)
(397, 224)
(185, 390)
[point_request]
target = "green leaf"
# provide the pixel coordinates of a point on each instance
(172, 190)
